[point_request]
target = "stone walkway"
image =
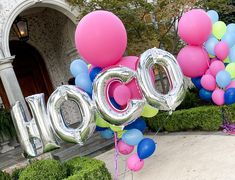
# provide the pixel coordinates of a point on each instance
(184, 156)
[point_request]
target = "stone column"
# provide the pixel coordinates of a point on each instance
(11, 84)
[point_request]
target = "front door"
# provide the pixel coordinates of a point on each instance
(30, 70)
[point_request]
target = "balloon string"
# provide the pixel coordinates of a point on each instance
(116, 157)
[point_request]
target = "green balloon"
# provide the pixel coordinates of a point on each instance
(219, 29)
(231, 69)
(101, 122)
(149, 111)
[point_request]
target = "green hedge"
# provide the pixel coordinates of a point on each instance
(83, 168)
(4, 176)
(207, 118)
(43, 170)
(80, 168)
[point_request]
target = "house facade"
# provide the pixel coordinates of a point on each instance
(41, 62)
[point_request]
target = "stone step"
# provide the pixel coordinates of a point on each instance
(93, 147)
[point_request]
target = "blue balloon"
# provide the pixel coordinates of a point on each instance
(139, 124)
(94, 72)
(210, 45)
(78, 66)
(232, 54)
(146, 148)
(83, 82)
(205, 95)
(107, 134)
(229, 96)
(229, 38)
(197, 82)
(231, 28)
(223, 78)
(98, 128)
(132, 137)
(114, 103)
(213, 16)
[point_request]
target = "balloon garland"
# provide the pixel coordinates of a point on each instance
(209, 57)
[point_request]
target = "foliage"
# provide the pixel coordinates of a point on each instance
(16, 173)
(4, 176)
(6, 125)
(148, 24)
(83, 168)
(207, 118)
(44, 170)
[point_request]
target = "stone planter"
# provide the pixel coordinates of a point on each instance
(4, 144)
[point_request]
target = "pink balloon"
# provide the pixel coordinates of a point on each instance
(190, 27)
(208, 71)
(124, 148)
(221, 50)
(112, 87)
(122, 94)
(208, 82)
(193, 60)
(101, 38)
(218, 97)
(131, 62)
(134, 163)
(231, 85)
(215, 67)
(213, 60)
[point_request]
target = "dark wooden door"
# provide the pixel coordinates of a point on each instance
(30, 70)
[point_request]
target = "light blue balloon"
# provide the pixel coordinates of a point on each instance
(83, 81)
(107, 134)
(210, 45)
(232, 54)
(132, 137)
(229, 38)
(213, 16)
(231, 28)
(78, 66)
(223, 79)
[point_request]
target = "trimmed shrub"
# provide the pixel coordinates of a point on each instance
(4, 176)
(84, 168)
(44, 170)
(16, 173)
(207, 118)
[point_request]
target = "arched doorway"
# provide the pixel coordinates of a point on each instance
(30, 69)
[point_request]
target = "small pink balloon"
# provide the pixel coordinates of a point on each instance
(213, 60)
(112, 87)
(134, 163)
(101, 38)
(124, 148)
(218, 97)
(231, 85)
(193, 60)
(131, 62)
(208, 71)
(122, 94)
(208, 82)
(190, 27)
(221, 50)
(216, 66)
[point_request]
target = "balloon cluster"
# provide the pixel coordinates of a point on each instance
(209, 57)
(101, 41)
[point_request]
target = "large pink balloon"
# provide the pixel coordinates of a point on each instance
(195, 27)
(134, 163)
(208, 82)
(215, 67)
(101, 38)
(193, 60)
(221, 50)
(124, 148)
(218, 97)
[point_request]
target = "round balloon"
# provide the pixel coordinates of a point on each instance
(149, 111)
(94, 72)
(197, 82)
(223, 79)
(205, 95)
(83, 81)
(215, 67)
(231, 69)
(219, 29)
(229, 39)
(139, 124)
(124, 148)
(231, 28)
(208, 82)
(232, 54)
(101, 38)
(134, 163)
(107, 134)
(122, 94)
(193, 60)
(221, 50)
(78, 66)
(210, 45)
(190, 27)
(229, 96)
(146, 148)
(132, 137)
(213, 16)
(231, 85)
(218, 97)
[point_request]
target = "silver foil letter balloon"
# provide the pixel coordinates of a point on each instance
(100, 96)
(175, 76)
(86, 106)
